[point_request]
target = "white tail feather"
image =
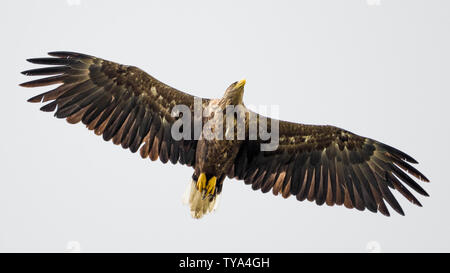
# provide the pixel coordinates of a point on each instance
(198, 205)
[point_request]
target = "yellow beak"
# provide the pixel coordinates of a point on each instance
(240, 84)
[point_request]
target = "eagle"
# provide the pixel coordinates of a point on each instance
(320, 163)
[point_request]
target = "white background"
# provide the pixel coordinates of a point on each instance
(378, 68)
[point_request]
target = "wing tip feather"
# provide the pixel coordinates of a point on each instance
(67, 54)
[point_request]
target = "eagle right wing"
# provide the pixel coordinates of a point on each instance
(329, 165)
(120, 102)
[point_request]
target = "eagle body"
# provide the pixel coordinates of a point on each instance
(319, 163)
(215, 156)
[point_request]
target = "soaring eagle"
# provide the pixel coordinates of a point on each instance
(325, 164)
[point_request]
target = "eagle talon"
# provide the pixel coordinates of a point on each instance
(206, 188)
(201, 182)
(211, 187)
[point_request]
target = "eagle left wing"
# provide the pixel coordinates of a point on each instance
(329, 165)
(120, 102)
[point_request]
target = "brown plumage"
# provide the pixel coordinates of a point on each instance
(329, 165)
(324, 164)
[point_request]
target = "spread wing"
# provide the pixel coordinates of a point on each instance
(120, 102)
(329, 165)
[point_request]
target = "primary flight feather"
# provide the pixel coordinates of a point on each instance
(324, 164)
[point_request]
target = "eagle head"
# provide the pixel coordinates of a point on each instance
(234, 93)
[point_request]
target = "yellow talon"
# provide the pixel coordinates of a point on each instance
(201, 182)
(211, 185)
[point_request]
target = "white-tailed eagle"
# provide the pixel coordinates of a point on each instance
(324, 164)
